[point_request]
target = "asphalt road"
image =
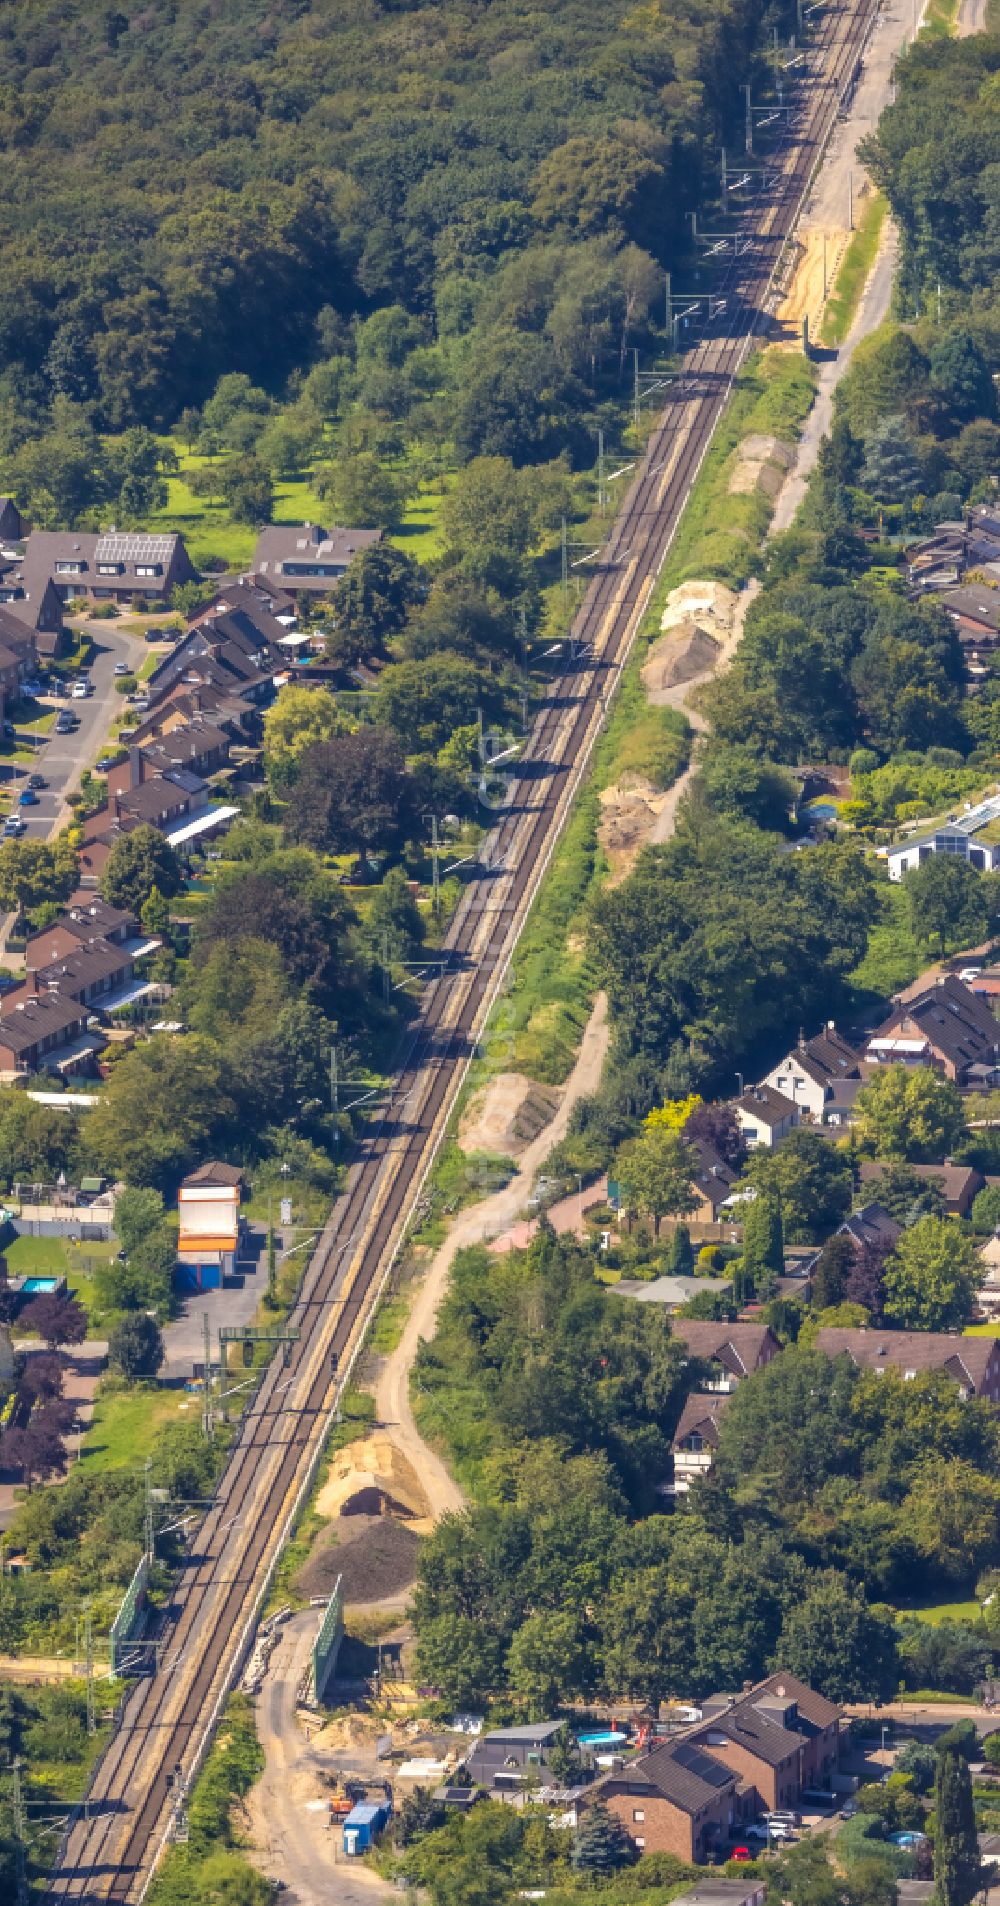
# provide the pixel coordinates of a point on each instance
(62, 758)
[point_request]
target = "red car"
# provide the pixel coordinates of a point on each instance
(741, 1854)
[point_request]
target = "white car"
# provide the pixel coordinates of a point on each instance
(80, 691)
(969, 973)
(122, 668)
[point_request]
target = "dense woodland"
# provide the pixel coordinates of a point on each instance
(400, 204)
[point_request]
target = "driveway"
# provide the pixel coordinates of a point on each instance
(62, 758)
(235, 1303)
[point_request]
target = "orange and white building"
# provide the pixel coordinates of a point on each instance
(208, 1205)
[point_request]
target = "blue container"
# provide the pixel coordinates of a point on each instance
(363, 1825)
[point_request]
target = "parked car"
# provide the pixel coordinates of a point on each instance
(13, 826)
(27, 798)
(848, 1810)
(9, 729)
(122, 668)
(65, 722)
(32, 688)
(784, 1816)
(37, 781)
(741, 1854)
(80, 691)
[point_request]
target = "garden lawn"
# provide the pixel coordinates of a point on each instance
(127, 1424)
(419, 534)
(943, 1611)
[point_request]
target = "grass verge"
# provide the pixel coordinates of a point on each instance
(127, 1423)
(853, 274)
(212, 1866)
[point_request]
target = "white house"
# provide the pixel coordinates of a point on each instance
(809, 1074)
(765, 1116)
(973, 836)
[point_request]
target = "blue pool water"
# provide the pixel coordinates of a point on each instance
(39, 1286)
(610, 1739)
(821, 810)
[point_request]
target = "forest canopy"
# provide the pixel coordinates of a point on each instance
(234, 182)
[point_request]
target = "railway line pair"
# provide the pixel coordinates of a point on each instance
(114, 1839)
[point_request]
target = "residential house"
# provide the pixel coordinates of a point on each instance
(695, 1441)
(974, 609)
(809, 1074)
(109, 566)
(208, 1205)
(675, 1799)
(307, 560)
(38, 609)
(948, 1027)
(512, 1758)
(765, 1116)
(973, 835)
(45, 1033)
(87, 918)
(13, 528)
(94, 972)
(779, 1739)
(179, 706)
(973, 1362)
(712, 1182)
(198, 746)
(231, 649)
(958, 1184)
(175, 803)
(18, 657)
(734, 1351)
(870, 1226)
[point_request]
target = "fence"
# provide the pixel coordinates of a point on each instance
(129, 1615)
(327, 1644)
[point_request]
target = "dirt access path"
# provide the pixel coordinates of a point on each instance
(478, 1222)
(286, 1813)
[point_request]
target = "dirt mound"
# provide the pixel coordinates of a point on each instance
(507, 1116)
(710, 604)
(375, 1556)
(682, 655)
(762, 463)
(629, 811)
(371, 1477)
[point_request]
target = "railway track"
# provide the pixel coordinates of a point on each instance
(115, 1837)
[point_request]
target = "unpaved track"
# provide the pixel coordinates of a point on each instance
(485, 1220)
(292, 1840)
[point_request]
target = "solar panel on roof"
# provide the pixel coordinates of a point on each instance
(134, 548)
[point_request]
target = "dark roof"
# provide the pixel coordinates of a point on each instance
(771, 1719)
(713, 1177)
(15, 633)
(975, 602)
(181, 746)
(87, 914)
(24, 1021)
(216, 1173)
(740, 1347)
(871, 1225)
(161, 796)
(967, 1359)
(682, 1773)
(763, 1102)
(47, 547)
(701, 1414)
(94, 961)
(957, 1022)
(954, 1181)
(282, 546)
(827, 1057)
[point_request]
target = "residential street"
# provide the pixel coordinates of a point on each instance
(62, 758)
